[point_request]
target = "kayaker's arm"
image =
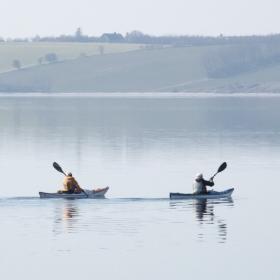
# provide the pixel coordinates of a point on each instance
(209, 183)
(77, 186)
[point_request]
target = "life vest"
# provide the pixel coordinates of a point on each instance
(199, 187)
(70, 184)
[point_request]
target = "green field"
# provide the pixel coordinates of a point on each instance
(29, 53)
(143, 70)
(165, 69)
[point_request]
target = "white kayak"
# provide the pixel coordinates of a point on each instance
(98, 193)
(210, 194)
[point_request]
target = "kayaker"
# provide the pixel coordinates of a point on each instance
(199, 184)
(70, 184)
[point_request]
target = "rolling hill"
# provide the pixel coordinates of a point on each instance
(161, 69)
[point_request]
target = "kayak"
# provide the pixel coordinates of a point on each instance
(98, 193)
(210, 194)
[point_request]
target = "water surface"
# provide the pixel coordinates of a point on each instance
(143, 148)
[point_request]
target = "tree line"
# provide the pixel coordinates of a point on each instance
(236, 59)
(142, 38)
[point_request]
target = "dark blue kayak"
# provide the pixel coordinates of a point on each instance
(210, 194)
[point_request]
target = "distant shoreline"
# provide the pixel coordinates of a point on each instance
(138, 95)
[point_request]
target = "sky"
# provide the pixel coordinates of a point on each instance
(27, 18)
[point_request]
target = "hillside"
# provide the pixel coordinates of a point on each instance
(144, 70)
(170, 69)
(30, 53)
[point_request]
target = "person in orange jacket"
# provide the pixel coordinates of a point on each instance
(70, 184)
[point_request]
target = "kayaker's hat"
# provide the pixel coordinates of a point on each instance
(69, 174)
(199, 176)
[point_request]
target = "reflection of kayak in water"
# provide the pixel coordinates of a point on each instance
(210, 194)
(98, 193)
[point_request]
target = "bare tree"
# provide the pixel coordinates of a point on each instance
(16, 64)
(79, 33)
(101, 49)
(40, 60)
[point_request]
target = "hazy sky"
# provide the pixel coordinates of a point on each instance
(207, 17)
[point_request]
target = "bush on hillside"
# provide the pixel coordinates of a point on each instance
(16, 64)
(51, 57)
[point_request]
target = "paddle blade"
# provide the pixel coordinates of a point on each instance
(58, 168)
(222, 167)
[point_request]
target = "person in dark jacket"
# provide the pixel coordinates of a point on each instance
(200, 185)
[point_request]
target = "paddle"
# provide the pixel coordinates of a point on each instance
(59, 169)
(222, 167)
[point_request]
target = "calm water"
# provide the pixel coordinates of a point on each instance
(143, 148)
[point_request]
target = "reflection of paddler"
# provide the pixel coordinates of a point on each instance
(67, 216)
(70, 215)
(201, 208)
(69, 212)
